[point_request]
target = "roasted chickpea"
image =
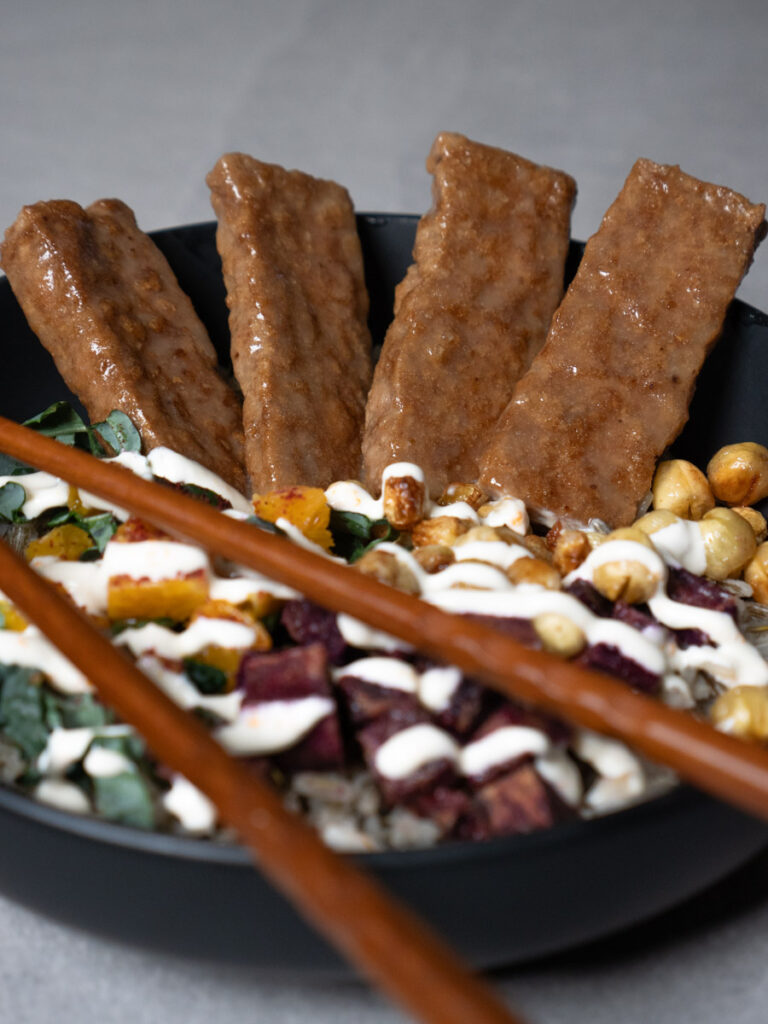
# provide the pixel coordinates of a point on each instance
(473, 495)
(679, 487)
(738, 473)
(656, 520)
(387, 568)
(755, 519)
(440, 530)
(434, 557)
(571, 548)
(403, 501)
(756, 574)
(743, 711)
(559, 635)
(487, 534)
(538, 547)
(627, 579)
(534, 570)
(729, 542)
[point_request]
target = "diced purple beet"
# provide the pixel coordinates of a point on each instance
(508, 714)
(466, 705)
(691, 638)
(445, 805)
(519, 629)
(687, 588)
(591, 597)
(284, 675)
(607, 658)
(517, 802)
(321, 749)
(366, 701)
(635, 617)
(308, 623)
(440, 772)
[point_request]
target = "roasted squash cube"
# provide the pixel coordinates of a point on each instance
(176, 599)
(304, 507)
(67, 542)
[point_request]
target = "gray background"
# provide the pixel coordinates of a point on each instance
(139, 99)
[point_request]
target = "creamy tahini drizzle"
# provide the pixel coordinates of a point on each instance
(476, 583)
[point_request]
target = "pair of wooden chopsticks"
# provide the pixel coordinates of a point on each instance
(384, 940)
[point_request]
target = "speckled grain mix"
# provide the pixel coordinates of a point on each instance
(102, 299)
(472, 311)
(611, 387)
(297, 313)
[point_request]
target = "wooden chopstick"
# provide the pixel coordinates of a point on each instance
(386, 941)
(720, 764)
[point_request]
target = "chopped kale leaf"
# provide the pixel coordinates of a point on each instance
(264, 524)
(207, 678)
(125, 798)
(12, 497)
(354, 534)
(118, 433)
(25, 713)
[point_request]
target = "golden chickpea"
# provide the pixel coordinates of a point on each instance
(440, 530)
(571, 548)
(627, 579)
(680, 487)
(656, 520)
(534, 570)
(434, 557)
(387, 568)
(538, 547)
(484, 534)
(403, 501)
(559, 635)
(756, 574)
(729, 542)
(755, 519)
(470, 493)
(738, 473)
(743, 711)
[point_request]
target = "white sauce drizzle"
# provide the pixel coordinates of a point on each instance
(559, 771)
(203, 632)
(176, 686)
(510, 512)
(387, 672)
(63, 795)
(31, 649)
(43, 491)
(274, 725)
(409, 749)
(101, 762)
(681, 544)
(504, 744)
(495, 552)
(193, 810)
(165, 463)
(437, 687)
(153, 560)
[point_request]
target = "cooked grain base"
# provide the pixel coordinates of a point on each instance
(610, 390)
(472, 311)
(297, 314)
(102, 299)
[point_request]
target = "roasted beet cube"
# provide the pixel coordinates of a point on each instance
(512, 714)
(519, 629)
(687, 588)
(284, 675)
(607, 658)
(635, 617)
(437, 771)
(445, 805)
(308, 623)
(464, 709)
(322, 748)
(590, 596)
(517, 802)
(691, 638)
(365, 701)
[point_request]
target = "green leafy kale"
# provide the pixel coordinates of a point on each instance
(207, 678)
(354, 534)
(264, 524)
(118, 433)
(12, 497)
(125, 798)
(26, 713)
(119, 626)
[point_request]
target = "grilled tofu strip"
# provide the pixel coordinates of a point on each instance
(297, 313)
(472, 311)
(610, 390)
(102, 299)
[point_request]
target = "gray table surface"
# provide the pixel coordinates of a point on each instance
(138, 99)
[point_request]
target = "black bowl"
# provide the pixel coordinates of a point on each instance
(498, 902)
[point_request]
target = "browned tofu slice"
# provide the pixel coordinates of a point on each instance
(297, 314)
(611, 387)
(101, 297)
(472, 311)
